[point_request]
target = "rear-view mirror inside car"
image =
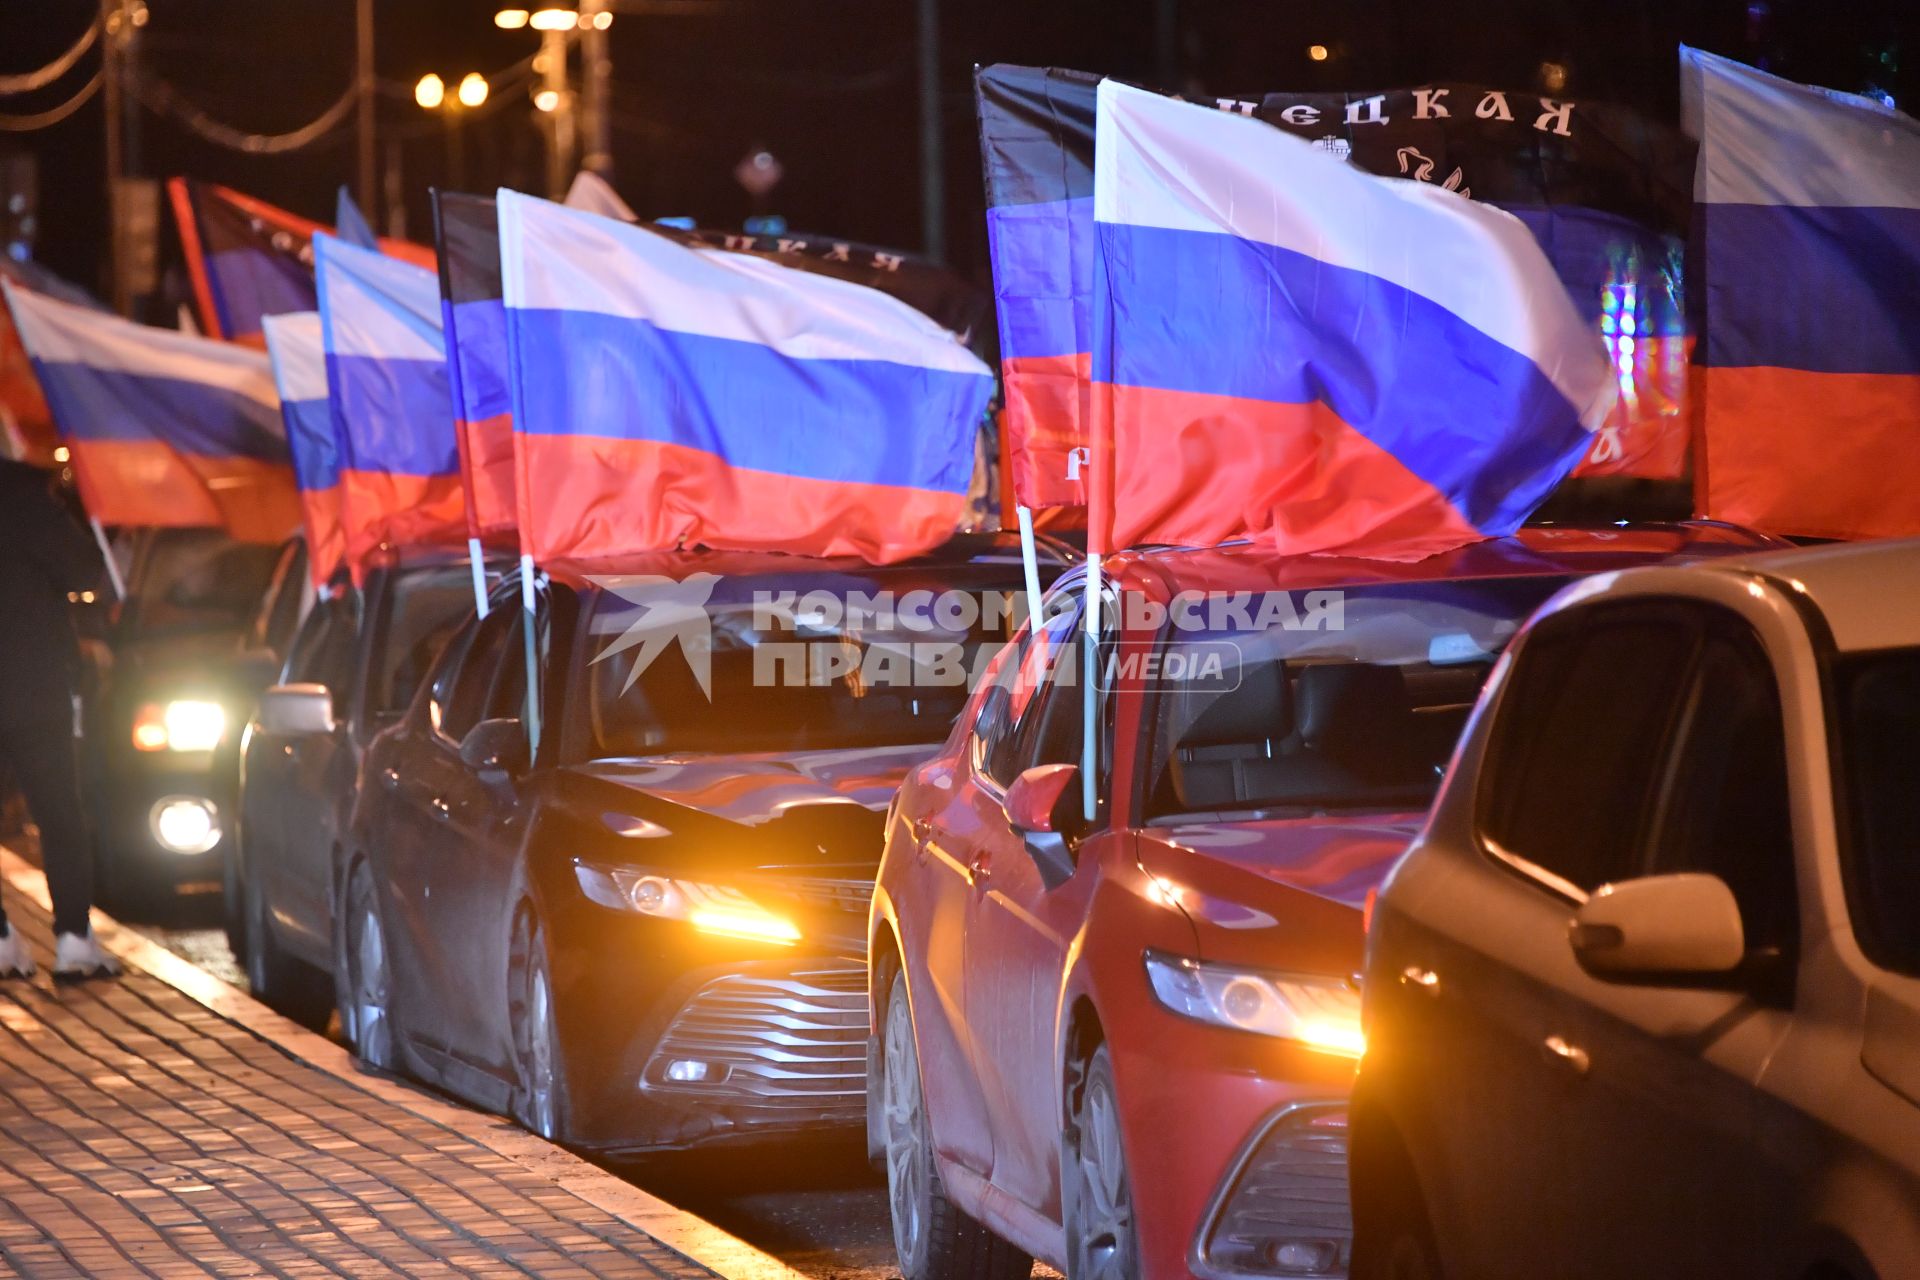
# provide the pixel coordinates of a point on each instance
(296, 709)
(1672, 927)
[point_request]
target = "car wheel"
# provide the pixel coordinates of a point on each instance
(934, 1239)
(541, 1100)
(366, 1016)
(1101, 1241)
(279, 980)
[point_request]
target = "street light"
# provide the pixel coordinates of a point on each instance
(546, 100)
(510, 19)
(553, 20)
(430, 92)
(473, 89)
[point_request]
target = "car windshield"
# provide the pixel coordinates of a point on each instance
(790, 663)
(1305, 702)
(1879, 736)
(196, 580)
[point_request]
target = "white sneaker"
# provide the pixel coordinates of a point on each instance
(77, 956)
(15, 960)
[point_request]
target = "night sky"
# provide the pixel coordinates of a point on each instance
(829, 87)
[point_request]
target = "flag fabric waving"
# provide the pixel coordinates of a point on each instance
(300, 375)
(23, 409)
(165, 428)
(1809, 230)
(1604, 190)
(1288, 348)
(666, 396)
(467, 244)
(249, 259)
(380, 324)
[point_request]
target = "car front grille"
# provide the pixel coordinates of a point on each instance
(791, 1044)
(1285, 1211)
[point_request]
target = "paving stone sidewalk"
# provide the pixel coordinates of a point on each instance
(143, 1134)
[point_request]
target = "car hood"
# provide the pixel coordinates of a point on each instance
(1334, 858)
(759, 788)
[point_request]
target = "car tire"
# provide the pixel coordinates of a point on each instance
(280, 981)
(1103, 1242)
(540, 1094)
(933, 1238)
(364, 969)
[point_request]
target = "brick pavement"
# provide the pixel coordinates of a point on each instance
(145, 1133)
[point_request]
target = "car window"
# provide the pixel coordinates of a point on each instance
(428, 607)
(462, 689)
(280, 611)
(1028, 681)
(1722, 805)
(323, 650)
(1579, 737)
(1879, 712)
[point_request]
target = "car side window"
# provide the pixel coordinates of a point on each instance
(323, 651)
(1030, 678)
(1722, 805)
(1578, 739)
(463, 688)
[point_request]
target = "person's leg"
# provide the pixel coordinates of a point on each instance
(44, 761)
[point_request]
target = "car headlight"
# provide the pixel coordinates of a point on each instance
(185, 724)
(709, 908)
(1318, 1011)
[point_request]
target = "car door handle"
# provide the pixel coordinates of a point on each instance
(980, 865)
(918, 829)
(1425, 981)
(1562, 1052)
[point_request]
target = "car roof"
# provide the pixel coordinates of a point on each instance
(1546, 549)
(1868, 592)
(979, 550)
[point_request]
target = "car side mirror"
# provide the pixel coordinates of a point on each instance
(1040, 806)
(296, 709)
(1671, 927)
(497, 747)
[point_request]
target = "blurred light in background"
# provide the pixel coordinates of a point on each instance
(552, 19)
(430, 92)
(1318, 52)
(546, 100)
(510, 19)
(473, 89)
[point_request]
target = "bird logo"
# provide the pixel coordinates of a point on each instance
(670, 609)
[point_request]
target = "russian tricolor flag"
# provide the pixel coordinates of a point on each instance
(380, 323)
(166, 428)
(668, 396)
(1333, 362)
(300, 374)
(467, 237)
(1808, 226)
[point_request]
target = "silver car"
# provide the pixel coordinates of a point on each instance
(1644, 997)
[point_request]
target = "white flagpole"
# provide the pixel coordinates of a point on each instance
(106, 553)
(479, 575)
(1030, 563)
(533, 659)
(1090, 744)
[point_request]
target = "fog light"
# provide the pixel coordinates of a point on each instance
(185, 824)
(693, 1071)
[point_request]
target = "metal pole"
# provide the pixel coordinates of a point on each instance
(528, 605)
(114, 575)
(553, 68)
(112, 18)
(478, 559)
(596, 90)
(1090, 722)
(1030, 563)
(933, 177)
(363, 81)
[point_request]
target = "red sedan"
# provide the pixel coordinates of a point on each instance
(1123, 1044)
